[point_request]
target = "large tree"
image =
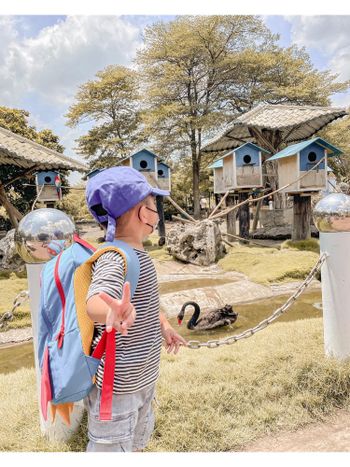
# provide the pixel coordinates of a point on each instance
(110, 104)
(17, 190)
(338, 133)
(199, 72)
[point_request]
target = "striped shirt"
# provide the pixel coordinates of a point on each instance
(137, 353)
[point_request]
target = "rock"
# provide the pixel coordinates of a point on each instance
(279, 233)
(196, 243)
(9, 258)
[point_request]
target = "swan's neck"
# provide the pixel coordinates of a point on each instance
(193, 321)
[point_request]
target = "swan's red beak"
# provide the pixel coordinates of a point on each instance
(179, 321)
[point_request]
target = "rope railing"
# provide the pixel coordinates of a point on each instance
(236, 206)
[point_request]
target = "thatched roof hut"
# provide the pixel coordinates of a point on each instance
(30, 157)
(274, 126)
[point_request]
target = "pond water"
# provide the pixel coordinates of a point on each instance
(309, 305)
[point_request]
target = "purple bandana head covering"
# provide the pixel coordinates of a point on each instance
(112, 192)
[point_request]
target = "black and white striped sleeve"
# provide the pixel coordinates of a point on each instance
(107, 275)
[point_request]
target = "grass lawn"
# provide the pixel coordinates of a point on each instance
(9, 288)
(212, 399)
(266, 265)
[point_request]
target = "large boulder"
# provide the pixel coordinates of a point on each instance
(9, 258)
(198, 243)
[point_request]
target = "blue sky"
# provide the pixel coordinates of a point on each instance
(45, 58)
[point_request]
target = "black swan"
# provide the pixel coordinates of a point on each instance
(211, 320)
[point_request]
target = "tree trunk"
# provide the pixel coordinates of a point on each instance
(195, 172)
(256, 217)
(244, 215)
(231, 216)
(161, 224)
(13, 213)
(301, 217)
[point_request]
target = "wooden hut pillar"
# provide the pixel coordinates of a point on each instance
(231, 216)
(161, 224)
(301, 217)
(244, 215)
(13, 213)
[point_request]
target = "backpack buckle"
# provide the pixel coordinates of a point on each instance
(60, 337)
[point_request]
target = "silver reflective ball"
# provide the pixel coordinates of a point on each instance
(332, 213)
(43, 234)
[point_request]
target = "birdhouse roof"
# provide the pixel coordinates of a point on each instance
(295, 148)
(162, 162)
(24, 153)
(149, 152)
(217, 164)
(143, 150)
(294, 122)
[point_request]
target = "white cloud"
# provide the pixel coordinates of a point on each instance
(327, 34)
(62, 56)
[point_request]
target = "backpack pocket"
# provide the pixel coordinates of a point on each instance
(72, 371)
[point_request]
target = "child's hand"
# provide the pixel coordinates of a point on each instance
(172, 339)
(121, 313)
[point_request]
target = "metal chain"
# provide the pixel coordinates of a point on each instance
(263, 324)
(20, 298)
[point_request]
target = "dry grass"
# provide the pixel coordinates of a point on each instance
(213, 400)
(9, 288)
(312, 244)
(266, 265)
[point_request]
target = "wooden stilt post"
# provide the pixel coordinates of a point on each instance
(244, 215)
(161, 224)
(13, 213)
(257, 213)
(231, 216)
(301, 217)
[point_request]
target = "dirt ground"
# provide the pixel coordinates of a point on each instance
(330, 436)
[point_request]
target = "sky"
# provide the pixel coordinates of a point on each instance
(44, 58)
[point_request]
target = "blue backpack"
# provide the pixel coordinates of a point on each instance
(66, 331)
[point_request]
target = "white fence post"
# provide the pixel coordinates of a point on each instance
(33, 234)
(332, 218)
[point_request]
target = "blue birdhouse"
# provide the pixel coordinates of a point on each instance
(239, 169)
(48, 186)
(298, 159)
(163, 174)
(218, 168)
(156, 172)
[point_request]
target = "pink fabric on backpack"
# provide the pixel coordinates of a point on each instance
(46, 391)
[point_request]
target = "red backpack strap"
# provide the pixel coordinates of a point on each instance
(60, 335)
(83, 243)
(107, 345)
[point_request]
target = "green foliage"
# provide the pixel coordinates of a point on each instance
(74, 204)
(338, 134)
(200, 72)
(16, 120)
(111, 104)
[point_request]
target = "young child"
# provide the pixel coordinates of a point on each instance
(121, 199)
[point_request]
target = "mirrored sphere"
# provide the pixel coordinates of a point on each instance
(43, 234)
(332, 213)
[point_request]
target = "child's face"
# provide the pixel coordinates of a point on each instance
(148, 215)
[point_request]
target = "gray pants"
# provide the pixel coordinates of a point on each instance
(132, 421)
